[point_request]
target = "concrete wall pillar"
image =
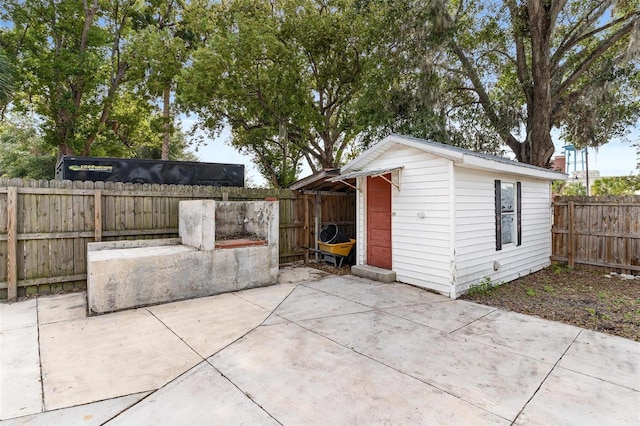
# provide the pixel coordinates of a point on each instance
(197, 223)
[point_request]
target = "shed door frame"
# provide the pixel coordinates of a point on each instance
(379, 242)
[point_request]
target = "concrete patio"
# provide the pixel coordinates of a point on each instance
(310, 350)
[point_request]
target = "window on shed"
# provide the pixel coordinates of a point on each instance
(508, 213)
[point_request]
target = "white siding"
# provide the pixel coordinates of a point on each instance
(420, 246)
(475, 229)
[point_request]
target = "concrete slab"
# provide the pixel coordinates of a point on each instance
(200, 397)
(523, 334)
(446, 316)
(374, 273)
(94, 414)
(375, 294)
(20, 388)
(568, 398)
(209, 324)
(109, 356)
(267, 297)
(307, 379)
(610, 358)
(306, 303)
(488, 377)
(62, 307)
(18, 315)
(349, 358)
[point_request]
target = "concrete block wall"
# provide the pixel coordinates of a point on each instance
(243, 217)
(230, 218)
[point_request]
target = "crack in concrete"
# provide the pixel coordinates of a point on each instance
(545, 378)
(42, 406)
(475, 320)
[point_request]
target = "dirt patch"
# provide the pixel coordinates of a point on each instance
(299, 273)
(584, 298)
(239, 236)
(331, 269)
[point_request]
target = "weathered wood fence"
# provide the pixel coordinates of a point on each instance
(45, 225)
(601, 232)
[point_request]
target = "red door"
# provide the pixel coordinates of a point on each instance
(379, 222)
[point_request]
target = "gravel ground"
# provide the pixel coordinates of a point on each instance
(588, 299)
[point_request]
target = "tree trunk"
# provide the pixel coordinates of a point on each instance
(284, 143)
(165, 122)
(538, 148)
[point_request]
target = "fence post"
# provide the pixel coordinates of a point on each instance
(318, 224)
(571, 237)
(97, 214)
(12, 243)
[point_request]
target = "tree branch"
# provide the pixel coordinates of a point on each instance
(574, 41)
(594, 56)
(106, 108)
(554, 10)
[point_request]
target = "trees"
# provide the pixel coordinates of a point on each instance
(6, 81)
(303, 79)
(618, 185)
(535, 65)
(160, 44)
(23, 152)
(86, 69)
(284, 75)
(70, 61)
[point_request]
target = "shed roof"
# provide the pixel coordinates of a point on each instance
(460, 156)
(320, 181)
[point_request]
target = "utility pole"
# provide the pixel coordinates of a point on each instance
(586, 158)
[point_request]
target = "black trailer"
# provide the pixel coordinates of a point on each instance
(149, 171)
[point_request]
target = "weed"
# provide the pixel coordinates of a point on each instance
(602, 295)
(560, 269)
(548, 289)
(606, 317)
(483, 287)
(620, 301)
(591, 311)
(531, 292)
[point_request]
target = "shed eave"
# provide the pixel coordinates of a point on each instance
(474, 162)
(361, 161)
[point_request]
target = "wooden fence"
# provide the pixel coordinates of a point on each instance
(601, 232)
(45, 225)
(319, 208)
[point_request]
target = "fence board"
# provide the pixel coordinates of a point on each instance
(602, 232)
(12, 243)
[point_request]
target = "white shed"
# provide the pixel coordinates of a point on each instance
(444, 218)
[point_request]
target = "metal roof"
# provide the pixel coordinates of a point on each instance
(320, 181)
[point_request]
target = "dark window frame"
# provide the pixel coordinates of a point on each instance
(498, 213)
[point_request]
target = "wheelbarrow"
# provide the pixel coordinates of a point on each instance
(335, 253)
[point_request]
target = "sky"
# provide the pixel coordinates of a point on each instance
(613, 159)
